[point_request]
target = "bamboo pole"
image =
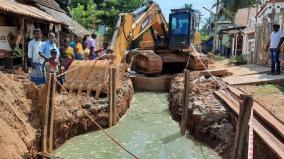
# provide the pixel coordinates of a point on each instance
(185, 103)
(110, 98)
(242, 127)
(115, 117)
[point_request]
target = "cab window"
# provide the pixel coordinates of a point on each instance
(180, 24)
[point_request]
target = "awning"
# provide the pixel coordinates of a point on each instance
(25, 10)
(234, 30)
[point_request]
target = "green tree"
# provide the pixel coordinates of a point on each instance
(91, 12)
(85, 14)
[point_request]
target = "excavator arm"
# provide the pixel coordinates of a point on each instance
(131, 26)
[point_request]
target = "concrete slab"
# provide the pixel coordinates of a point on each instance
(248, 69)
(253, 79)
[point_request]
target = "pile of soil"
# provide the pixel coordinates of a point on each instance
(18, 118)
(210, 120)
(21, 114)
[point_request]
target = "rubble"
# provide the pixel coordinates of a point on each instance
(210, 121)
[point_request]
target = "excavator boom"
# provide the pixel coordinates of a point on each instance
(131, 26)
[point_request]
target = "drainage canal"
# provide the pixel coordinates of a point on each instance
(147, 130)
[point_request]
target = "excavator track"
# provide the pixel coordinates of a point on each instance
(148, 62)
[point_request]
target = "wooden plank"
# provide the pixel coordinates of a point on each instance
(265, 115)
(242, 127)
(45, 115)
(231, 103)
(269, 139)
(185, 112)
(51, 112)
(218, 73)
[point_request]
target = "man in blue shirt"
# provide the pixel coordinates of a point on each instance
(45, 51)
(48, 45)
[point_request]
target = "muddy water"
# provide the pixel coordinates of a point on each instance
(147, 130)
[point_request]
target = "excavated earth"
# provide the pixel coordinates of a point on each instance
(21, 114)
(210, 120)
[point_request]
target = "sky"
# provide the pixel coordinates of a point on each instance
(167, 5)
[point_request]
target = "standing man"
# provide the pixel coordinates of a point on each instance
(48, 45)
(91, 45)
(45, 50)
(37, 75)
(274, 46)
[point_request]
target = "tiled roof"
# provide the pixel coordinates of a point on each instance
(49, 3)
(25, 10)
(74, 26)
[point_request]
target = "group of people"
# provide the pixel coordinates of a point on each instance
(47, 57)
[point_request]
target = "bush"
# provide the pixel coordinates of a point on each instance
(238, 60)
(219, 58)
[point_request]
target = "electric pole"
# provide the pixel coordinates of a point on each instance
(215, 30)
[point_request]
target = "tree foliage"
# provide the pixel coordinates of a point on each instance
(85, 14)
(90, 12)
(234, 5)
(63, 4)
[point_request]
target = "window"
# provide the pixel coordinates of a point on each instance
(180, 24)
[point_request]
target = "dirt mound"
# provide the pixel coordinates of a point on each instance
(17, 132)
(21, 114)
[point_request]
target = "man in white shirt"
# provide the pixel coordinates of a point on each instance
(37, 75)
(274, 45)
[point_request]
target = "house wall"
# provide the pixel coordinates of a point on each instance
(270, 13)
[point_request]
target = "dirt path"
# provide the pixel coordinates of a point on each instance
(270, 96)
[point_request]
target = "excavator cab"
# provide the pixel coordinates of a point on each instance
(180, 29)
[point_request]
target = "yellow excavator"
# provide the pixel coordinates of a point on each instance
(162, 47)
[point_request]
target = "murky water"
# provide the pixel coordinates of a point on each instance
(147, 130)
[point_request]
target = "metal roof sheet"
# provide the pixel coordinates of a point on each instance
(25, 10)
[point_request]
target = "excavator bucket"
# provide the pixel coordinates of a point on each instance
(89, 76)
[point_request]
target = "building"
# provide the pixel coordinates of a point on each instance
(19, 18)
(223, 21)
(245, 18)
(269, 12)
(15, 30)
(52, 8)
